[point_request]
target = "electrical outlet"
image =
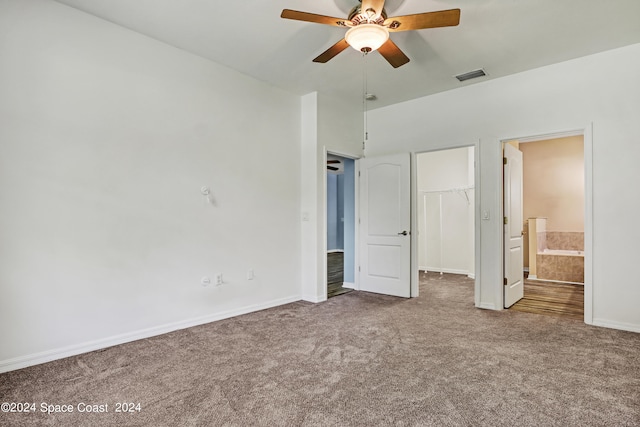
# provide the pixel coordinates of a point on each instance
(219, 279)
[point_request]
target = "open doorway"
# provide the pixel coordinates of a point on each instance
(340, 205)
(446, 215)
(553, 199)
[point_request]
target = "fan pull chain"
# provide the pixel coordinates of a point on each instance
(364, 99)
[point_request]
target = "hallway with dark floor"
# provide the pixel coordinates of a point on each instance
(335, 274)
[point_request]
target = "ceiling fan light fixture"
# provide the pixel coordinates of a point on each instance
(367, 37)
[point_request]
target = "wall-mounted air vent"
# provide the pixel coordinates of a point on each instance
(471, 75)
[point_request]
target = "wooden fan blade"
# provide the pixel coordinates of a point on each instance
(332, 51)
(332, 162)
(312, 17)
(392, 53)
(376, 5)
(332, 168)
(420, 21)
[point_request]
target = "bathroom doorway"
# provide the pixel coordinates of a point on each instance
(554, 225)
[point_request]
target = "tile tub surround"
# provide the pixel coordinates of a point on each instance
(561, 268)
(566, 240)
(557, 267)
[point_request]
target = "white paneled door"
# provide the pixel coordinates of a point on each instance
(513, 224)
(385, 225)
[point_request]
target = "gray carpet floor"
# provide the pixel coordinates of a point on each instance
(358, 359)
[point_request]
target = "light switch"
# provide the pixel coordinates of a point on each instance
(485, 215)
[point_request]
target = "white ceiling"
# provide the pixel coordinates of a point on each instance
(501, 36)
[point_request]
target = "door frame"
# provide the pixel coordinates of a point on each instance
(415, 267)
(587, 135)
(323, 222)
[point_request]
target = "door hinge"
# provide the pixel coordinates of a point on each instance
(504, 160)
(505, 281)
(506, 220)
(358, 268)
(358, 173)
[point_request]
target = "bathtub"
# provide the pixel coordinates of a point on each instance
(560, 265)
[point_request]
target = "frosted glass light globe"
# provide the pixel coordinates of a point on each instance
(367, 37)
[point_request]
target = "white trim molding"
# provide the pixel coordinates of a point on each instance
(74, 350)
(616, 325)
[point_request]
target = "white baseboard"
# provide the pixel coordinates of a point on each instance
(486, 306)
(616, 325)
(330, 251)
(348, 285)
(444, 270)
(73, 350)
(313, 298)
(554, 281)
(469, 275)
(533, 277)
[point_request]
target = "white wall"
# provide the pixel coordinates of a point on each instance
(333, 125)
(445, 181)
(106, 138)
(601, 90)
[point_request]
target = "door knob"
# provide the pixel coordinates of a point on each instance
(404, 233)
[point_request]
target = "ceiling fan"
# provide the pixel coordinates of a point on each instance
(333, 162)
(369, 28)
